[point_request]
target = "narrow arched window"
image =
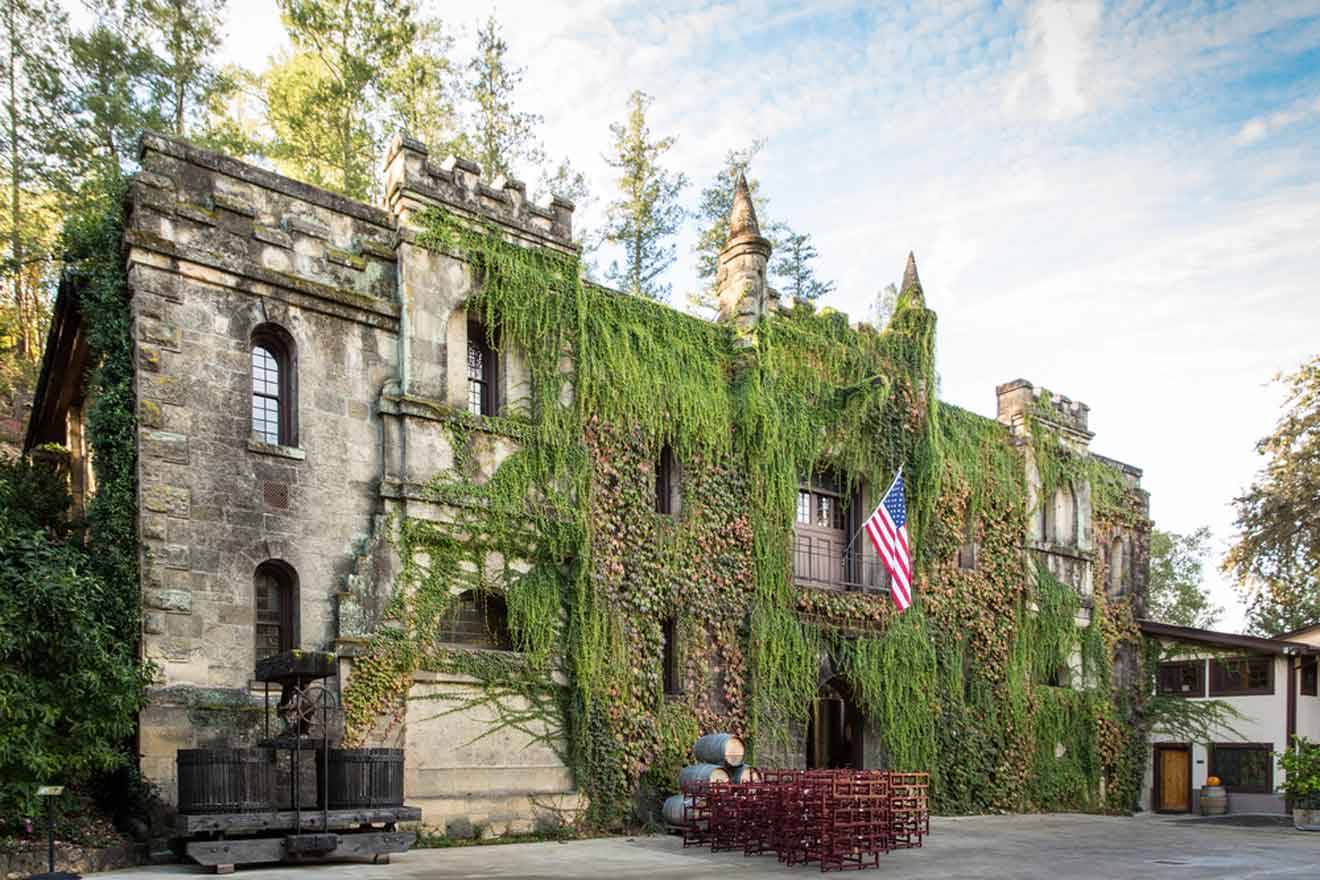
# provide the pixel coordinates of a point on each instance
(1116, 565)
(1065, 517)
(274, 382)
(967, 550)
(276, 600)
(482, 371)
(477, 620)
(666, 482)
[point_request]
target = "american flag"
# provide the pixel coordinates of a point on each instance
(887, 527)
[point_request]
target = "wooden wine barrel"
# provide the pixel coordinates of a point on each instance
(361, 778)
(1214, 800)
(673, 811)
(225, 780)
(720, 748)
(745, 773)
(695, 773)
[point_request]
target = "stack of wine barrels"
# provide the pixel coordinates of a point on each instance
(719, 759)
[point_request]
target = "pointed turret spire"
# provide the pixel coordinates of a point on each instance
(742, 216)
(910, 278)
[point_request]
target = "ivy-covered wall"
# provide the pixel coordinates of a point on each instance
(1017, 689)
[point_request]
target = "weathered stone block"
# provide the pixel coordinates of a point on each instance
(176, 601)
(177, 556)
(153, 622)
(159, 333)
(148, 357)
(171, 500)
(161, 388)
(150, 414)
(165, 445)
(272, 235)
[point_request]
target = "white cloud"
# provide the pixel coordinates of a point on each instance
(1060, 41)
(1260, 127)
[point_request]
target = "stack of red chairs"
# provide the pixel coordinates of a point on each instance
(911, 807)
(839, 819)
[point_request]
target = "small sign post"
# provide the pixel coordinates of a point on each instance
(50, 792)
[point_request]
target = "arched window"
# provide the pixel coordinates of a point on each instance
(1065, 517)
(276, 600)
(482, 371)
(1117, 562)
(274, 386)
(477, 620)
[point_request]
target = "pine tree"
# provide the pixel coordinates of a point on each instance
(792, 267)
(502, 137)
(647, 212)
(882, 307)
(322, 97)
(423, 89)
(187, 34)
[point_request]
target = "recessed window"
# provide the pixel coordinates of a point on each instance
(1184, 679)
(669, 655)
(276, 600)
(1117, 567)
(967, 550)
(477, 620)
(274, 408)
(1308, 677)
(1061, 677)
(482, 366)
(1065, 517)
(1244, 767)
(666, 482)
(1241, 676)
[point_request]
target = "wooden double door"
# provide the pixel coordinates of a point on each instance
(1173, 779)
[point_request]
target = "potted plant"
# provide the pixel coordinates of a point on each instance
(1301, 785)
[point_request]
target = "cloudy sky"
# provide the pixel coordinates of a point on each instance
(1120, 202)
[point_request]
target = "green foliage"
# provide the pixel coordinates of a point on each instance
(1175, 593)
(793, 270)
(504, 137)
(1276, 557)
(69, 682)
(647, 212)
(959, 685)
(1301, 763)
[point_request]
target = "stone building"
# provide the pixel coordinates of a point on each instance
(307, 365)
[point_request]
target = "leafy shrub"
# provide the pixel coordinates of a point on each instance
(70, 684)
(1302, 764)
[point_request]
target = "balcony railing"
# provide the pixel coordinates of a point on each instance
(833, 569)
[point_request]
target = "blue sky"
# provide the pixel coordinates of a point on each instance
(1120, 202)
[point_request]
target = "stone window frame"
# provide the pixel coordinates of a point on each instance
(279, 343)
(285, 577)
(488, 610)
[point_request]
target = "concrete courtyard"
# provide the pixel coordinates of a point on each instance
(1051, 847)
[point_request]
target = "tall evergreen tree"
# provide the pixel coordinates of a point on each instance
(502, 137)
(792, 267)
(882, 307)
(322, 97)
(423, 89)
(186, 34)
(647, 212)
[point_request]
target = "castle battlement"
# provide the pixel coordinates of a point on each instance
(1018, 397)
(414, 181)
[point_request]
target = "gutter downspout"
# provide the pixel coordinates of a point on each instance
(1292, 710)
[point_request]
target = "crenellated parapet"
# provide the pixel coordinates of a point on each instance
(414, 181)
(1019, 399)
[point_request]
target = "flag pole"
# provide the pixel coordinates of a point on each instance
(848, 549)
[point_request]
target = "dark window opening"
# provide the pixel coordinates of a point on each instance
(1244, 767)
(276, 600)
(1186, 679)
(1308, 684)
(1061, 677)
(1241, 676)
(477, 620)
(669, 655)
(274, 382)
(481, 371)
(666, 482)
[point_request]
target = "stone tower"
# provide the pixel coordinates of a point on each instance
(740, 281)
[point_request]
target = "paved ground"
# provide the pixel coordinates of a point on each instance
(1057, 847)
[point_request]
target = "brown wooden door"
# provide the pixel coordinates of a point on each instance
(1174, 767)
